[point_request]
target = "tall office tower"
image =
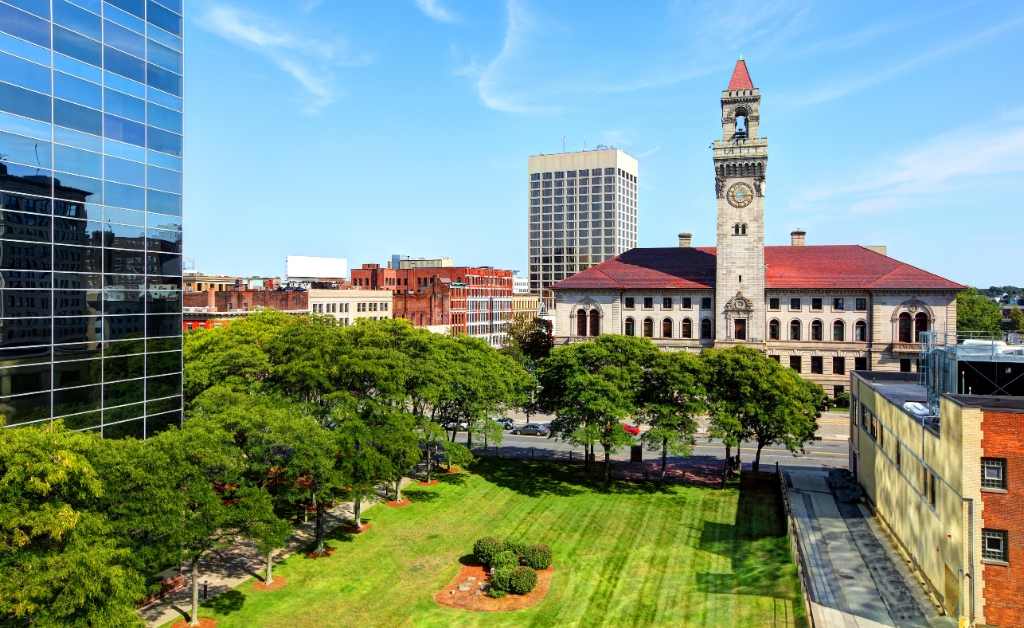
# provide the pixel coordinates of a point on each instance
(90, 224)
(582, 211)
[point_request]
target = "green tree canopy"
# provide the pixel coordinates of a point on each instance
(673, 395)
(595, 385)
(974, 312)
(772, 404)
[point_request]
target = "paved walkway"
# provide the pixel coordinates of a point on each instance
(231, 567)
(854, 580)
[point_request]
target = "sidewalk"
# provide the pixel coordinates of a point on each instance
(231, 567)
(853, 582)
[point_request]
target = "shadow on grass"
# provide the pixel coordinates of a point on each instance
(535, 478)
(226, 603)
(420, 496)
(755, 543)
(468, 559)
(455, 479)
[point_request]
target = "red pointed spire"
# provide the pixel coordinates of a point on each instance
(740, 77)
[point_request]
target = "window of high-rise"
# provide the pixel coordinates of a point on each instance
(91, 182)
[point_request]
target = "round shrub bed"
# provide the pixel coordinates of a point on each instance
(522, 580)
(487, 548)
(504, 560)
(538, 556)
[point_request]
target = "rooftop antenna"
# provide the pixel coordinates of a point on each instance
(563, 143)
(584, 142)
(37, 159)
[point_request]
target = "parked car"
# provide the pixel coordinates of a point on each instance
(505, 422)
(531, 429)
(632, 429)
(462, 426)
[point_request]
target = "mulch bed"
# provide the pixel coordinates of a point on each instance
(430, 483)
(204, 622)
(401, 504)
(470, 601)
(453, 470)
(278, 582)
(327, 552)
(351, 529)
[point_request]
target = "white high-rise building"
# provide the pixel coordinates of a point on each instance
(582, 211)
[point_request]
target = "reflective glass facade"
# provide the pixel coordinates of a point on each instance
(90, 224)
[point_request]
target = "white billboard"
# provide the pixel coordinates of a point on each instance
(302, 267)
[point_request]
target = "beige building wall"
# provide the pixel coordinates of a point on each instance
(896, 471)
(349, 305)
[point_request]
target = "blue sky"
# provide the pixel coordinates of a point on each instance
(363, 129)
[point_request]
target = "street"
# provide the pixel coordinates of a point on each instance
(830, 451)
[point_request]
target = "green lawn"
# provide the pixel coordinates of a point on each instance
(625, 555)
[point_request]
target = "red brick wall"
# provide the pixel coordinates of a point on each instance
(277, 299)
(433, 306)
(1004, 438)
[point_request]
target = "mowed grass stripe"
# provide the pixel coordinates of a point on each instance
(626, 554)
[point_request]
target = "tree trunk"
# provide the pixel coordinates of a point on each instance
(728, 463)
(194, 619)
(319, 549)
(664, 459)
(757, 458)
(739, 461)
(429, 456)
(398, 490)
(357, 510)
(270, 568)
(607, 463)
(469, 440)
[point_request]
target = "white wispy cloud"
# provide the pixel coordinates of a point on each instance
(308, 60)
(434, 10)
(961, 160)
(856, 84)
(493, 90)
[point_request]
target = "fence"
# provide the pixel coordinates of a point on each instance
(794, 548)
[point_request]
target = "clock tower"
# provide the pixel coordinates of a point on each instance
(741, 162)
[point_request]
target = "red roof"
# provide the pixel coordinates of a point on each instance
(740, 77)
(800, 267)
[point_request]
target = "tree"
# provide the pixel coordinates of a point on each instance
(595, 385)
(216, 505)
(529, 337)
(772, 404)
(456, 455)
(1016, 319)
(673, 395)
(61, 563)
(974, 312)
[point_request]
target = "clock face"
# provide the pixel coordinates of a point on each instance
(740, 195)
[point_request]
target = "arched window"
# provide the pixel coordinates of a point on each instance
(595, 323)
(794, 330)
(905, 328)
(630, 327)
(736, 229)
(838, 331)
(666, 328)
(773, 330)
(743, 229)
(686, 329)
(741, 122)
(648, 328)
(706, 329)
(920, 325)
(860, 331)
(581, 323)
(816, 333)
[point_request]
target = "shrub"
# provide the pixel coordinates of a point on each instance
(842, 400)
(504, 560)
(538, 556)
(516, 547)
(522, 580)
(500, 579)
(496, 594)
(486, 548)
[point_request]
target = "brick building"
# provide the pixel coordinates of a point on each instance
(480, 296)
(212, 306)
(944, 473)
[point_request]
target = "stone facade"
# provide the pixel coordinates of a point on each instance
(824, 310)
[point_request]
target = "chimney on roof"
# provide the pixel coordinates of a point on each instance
(684, 240)
(881, 250)
(798, 237)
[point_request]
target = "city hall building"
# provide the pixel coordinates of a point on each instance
(822, 310)
(90, 224)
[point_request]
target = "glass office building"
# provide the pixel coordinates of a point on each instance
(90, 228)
